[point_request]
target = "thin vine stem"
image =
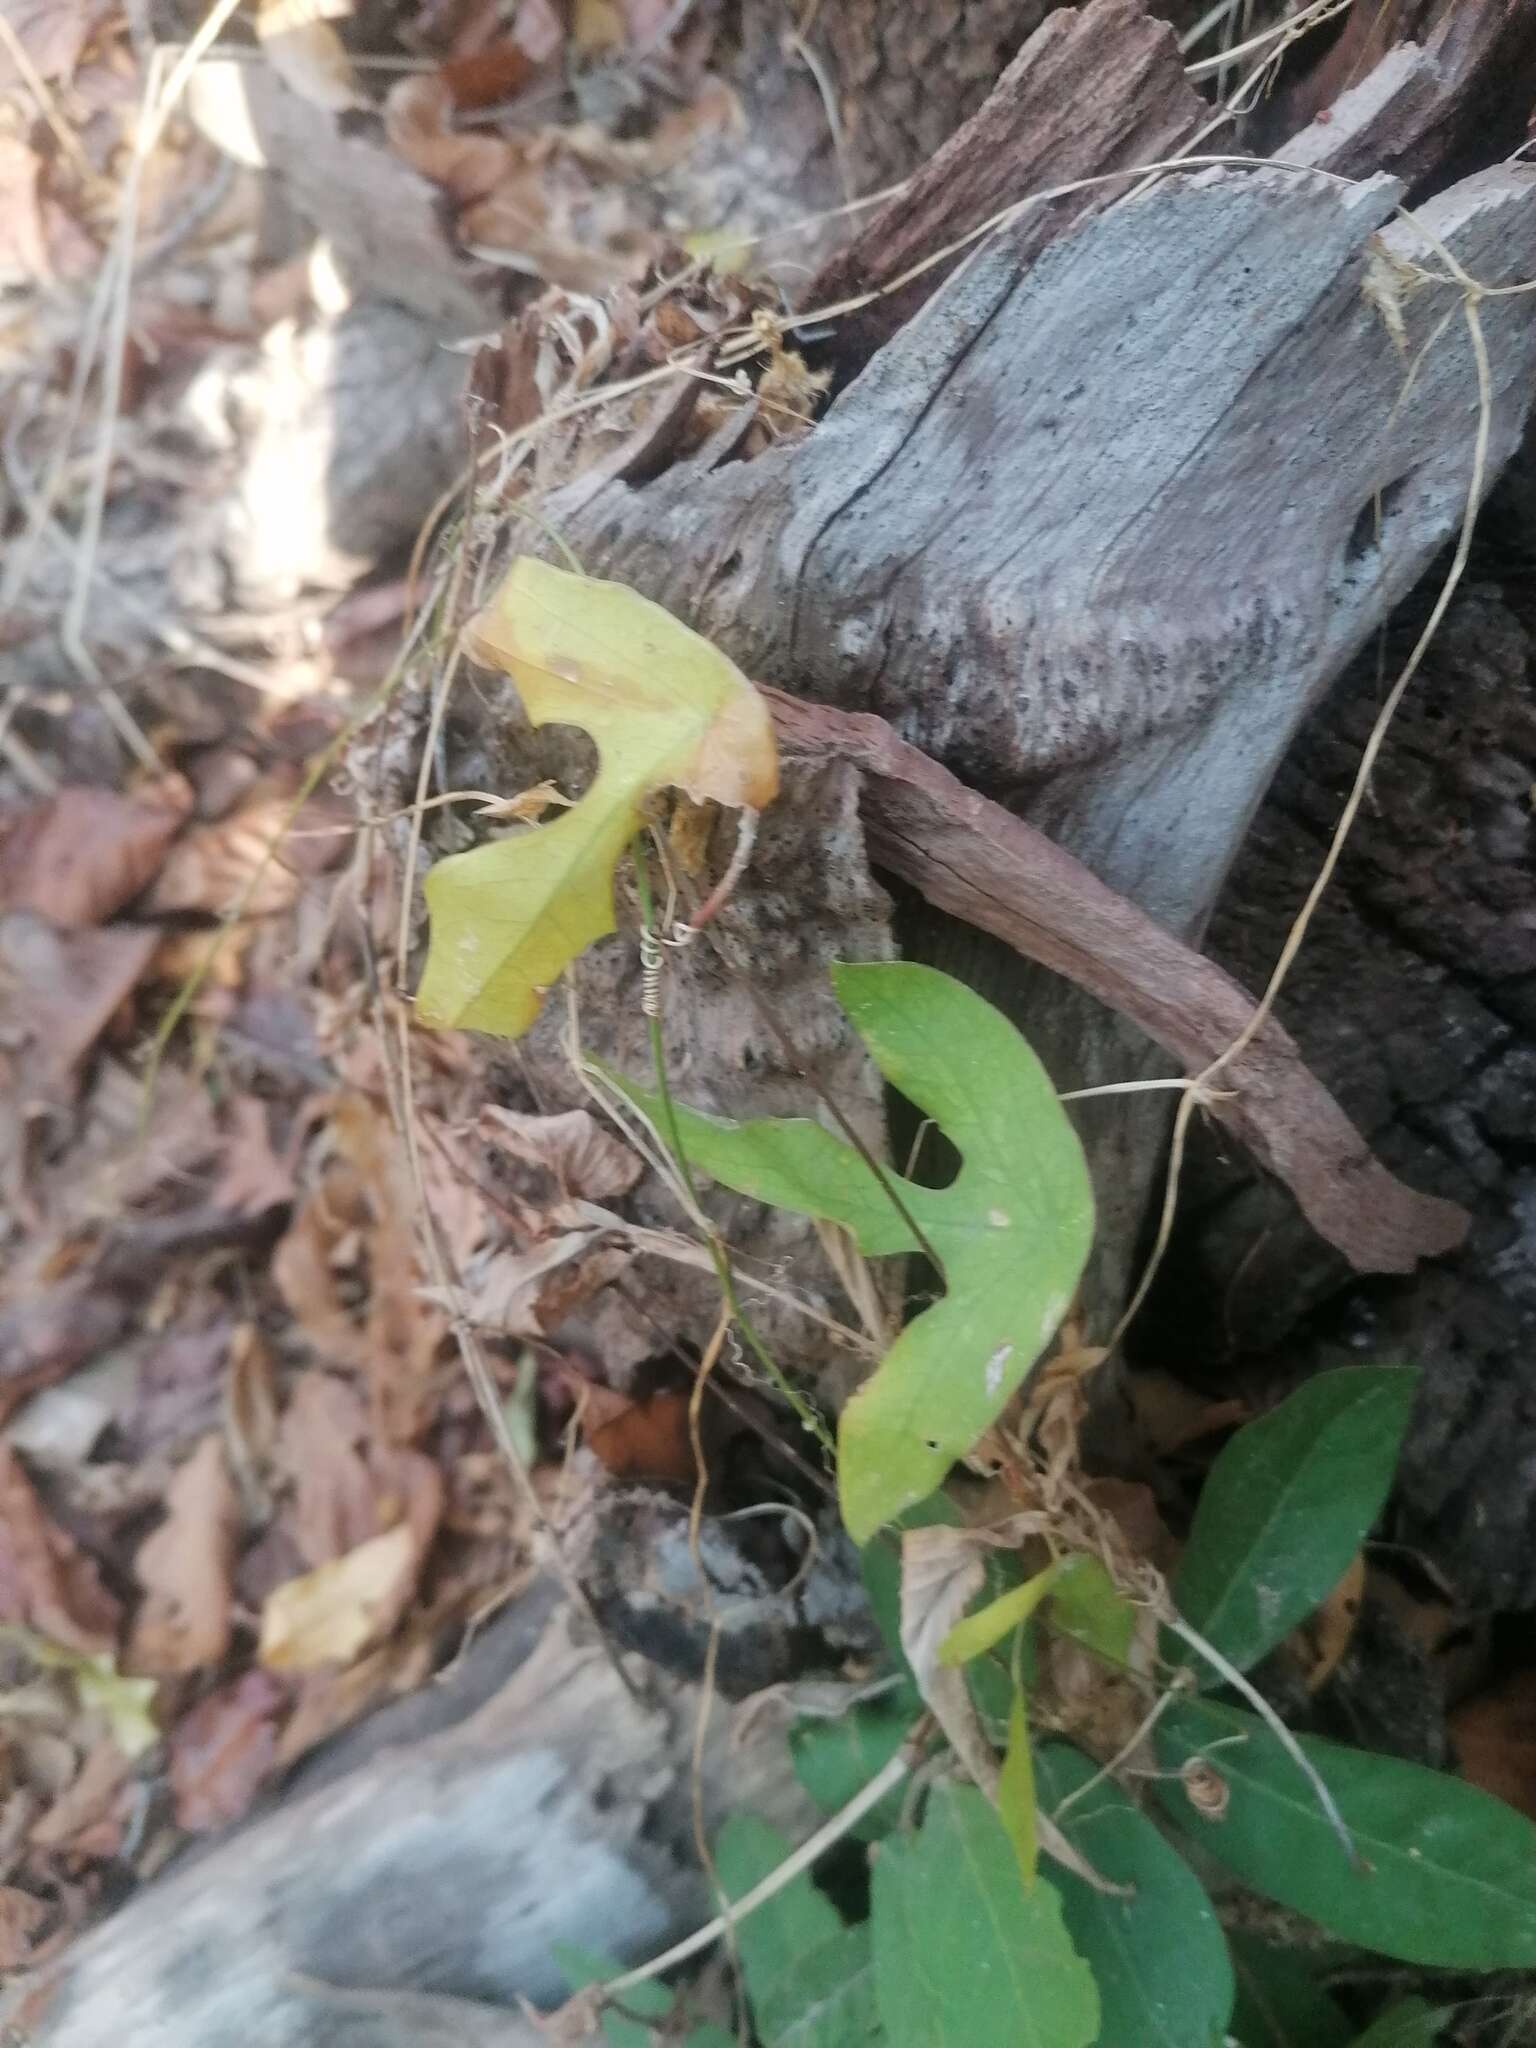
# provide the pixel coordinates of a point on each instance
(673, 1138)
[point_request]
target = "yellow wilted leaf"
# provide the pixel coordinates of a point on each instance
(330, 1615)
(666, 711)
(123, 1703)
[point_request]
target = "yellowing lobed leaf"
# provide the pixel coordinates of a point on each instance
(666, 711)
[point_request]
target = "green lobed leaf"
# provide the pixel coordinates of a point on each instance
(964, 1956)
(665, 709)
(1159, 1958)
(1011, 1231)
(1280, 2004)
(1451, 1876)
(1287, 1505)
(834, 1759)
(809, 1976)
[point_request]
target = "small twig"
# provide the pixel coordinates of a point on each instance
(672, 1134)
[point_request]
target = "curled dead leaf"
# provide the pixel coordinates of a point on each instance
(306, 52)
(942, 1569)
(78, 857)
(59, 990)
(346, 1486)
(184, 1567)
(95, 1796)
(585, 1161)
(359, 1220)
(252, 1178)
(21, 1917)
(46, 1580)
(223, 1750)
(647, 1439)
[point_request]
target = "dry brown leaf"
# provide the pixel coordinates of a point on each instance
(331, 1615)
(1494, 1735)
(58, 992)
(23, 245)
(942, 1571)
(347, 1488)
(46, 1580)
(21, 1916)
(505, 1290)
(1170, 1415)
(1132, 1507)
(253, 1179)
(184, 1567)
(539, 26)
(647, 1439)
(486, 77)
(329, 1701)
(257, 846)
(557, 216)
(179, 1387)
(416, 120)
(363, 1208)
(93, 1795)
(250, 1409)
(80, 856)
(539, 203)
(306, 52)
(319, 1444)
(1318, 1645)
(48, 1334)
(585, 1161)
(224, 1750)
(53, 33)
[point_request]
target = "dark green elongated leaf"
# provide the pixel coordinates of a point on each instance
(1280, 2004)
(809, 1977)
(1011, 1231)
(1451, 1880)
(835, 1759)
(1410, 2023)
(1287, 1505)
(964, 1957)
(1159, 1958)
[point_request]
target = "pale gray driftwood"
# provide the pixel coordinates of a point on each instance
(416, 1896)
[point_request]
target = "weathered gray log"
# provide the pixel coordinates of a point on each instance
(423, 1885)
(1098, 532)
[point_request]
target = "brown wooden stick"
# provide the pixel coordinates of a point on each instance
(970, 857)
